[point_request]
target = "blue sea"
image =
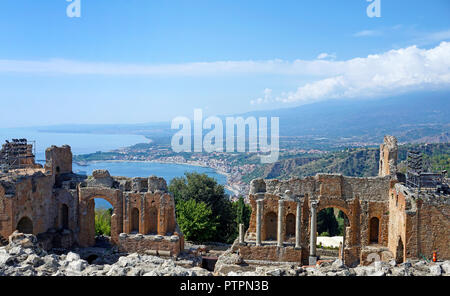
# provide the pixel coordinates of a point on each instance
(90, 143)
(80, 143)
(145, 169)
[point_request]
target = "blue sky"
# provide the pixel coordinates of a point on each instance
(140, 61)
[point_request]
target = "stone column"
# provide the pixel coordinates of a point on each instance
(241, 234)
(298, 226)
(313, 235)
(259, 206)
(280, 222)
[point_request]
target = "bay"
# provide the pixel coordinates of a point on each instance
(84, 143)
(131, 169)
(79, 142)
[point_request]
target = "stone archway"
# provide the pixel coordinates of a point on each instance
(87, 213)
(399, 256)
(135, 220)
(349, 251)
(270, 222)
(290, 226)
(25, 225)
(374, 229)
(152, 221)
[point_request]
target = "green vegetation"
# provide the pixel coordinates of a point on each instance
(327, 224)
(97, 156)
(204, 189)
(196, 220)
(242, 212)
(354, 162)
(330, 225)
(103, 221)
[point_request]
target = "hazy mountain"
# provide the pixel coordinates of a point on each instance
(418, 117)
(409, 117)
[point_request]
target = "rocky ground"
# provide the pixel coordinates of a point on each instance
(24, 257)
(230, 264)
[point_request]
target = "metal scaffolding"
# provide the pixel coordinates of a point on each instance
(416, 178)
(16, 154)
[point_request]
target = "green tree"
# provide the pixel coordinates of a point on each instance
(196, 220)
(203, 188)
(242, 212)
(103, 221)
(326, 222)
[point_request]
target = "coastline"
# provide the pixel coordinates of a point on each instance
(227, 175)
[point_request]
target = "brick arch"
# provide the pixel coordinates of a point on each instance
(334, 203)
(270, 226)
(350, 241)
(87, 214)
(25, 225)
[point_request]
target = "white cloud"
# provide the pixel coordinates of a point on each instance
(395, 71)
(368, 33)
(69, 67)
(324, 56)
(267, 98)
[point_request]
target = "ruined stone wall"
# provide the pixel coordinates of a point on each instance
(33, 200)
(61, 207)
(151, 244)
(433, 224)
(361, 200)
(388, 157)
(142, 209)
(397, 221)
(422, 224)
(5, 214)
(58, 160)
(271, 253)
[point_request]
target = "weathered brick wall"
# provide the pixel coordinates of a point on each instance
(87, 213)
(271, 253)
(422, 224)
(58, 160)
(59, 199)
(397, 221)
(361, 199)
(33, 199)
(433, 230)
(146, 244)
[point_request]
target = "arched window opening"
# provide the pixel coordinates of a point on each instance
(152, 221)
(135, 220)
(271, 226)
(25, 225)
(399, 258)
(290, 226)
(374, 230)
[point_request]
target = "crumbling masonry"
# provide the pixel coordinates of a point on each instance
(58, 206)
(386, 219)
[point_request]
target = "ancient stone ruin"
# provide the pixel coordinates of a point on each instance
(58, 206)
(385, 218)
(392, 217)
